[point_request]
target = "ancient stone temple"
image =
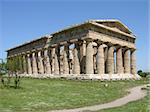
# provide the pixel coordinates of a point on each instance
(96, 49)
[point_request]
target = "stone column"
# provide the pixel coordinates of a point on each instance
(47, 62)
(40, 63)
(24, 64)
(83, 56)
(119, 61)
(56, 62)
(29, 65)
(126, 61)
(89, 57)
(52, 59)
(76, 67)
(100, 60)
(34, 64)
(110, 60)
(133, 62)
(65, 60)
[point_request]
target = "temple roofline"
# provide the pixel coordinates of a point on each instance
(28, 42)
(89, 22)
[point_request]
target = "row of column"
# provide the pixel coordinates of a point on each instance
(124, 62)
(83, 60)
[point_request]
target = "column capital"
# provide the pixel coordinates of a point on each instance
(23, 53)
(117, 46)
(81, 42)
(99, 42)
(89, 40)
(109, 44)
(132, 49)
(73, 40)
(54, 45)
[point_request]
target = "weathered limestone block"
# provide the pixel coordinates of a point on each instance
(126, 61)
(76, 69)
(34, 64)
(100, 60)
(110, 60)
(29, 64)
(47, 62)
(40, 63)
(65, 60)
(133, 62)
(89, 57)
(119, 61)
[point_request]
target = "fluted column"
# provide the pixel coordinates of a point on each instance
(126, 61)
(40, 63)
(119, 61)
(133, 62)
(100, 60)
(29, 64)
(83, 56)
(52, 59)
(56, 63)
(89, 57)
(24, 64)
(76, 67)
(65, 60)
(110, 60)
(34, 64)
(47, 62)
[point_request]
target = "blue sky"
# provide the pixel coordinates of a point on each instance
(24, 20)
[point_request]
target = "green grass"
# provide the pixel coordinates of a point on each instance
(47, 94)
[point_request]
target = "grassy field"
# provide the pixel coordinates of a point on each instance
(40, 95)
(137, 106)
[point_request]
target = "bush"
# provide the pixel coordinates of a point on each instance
(143, 74)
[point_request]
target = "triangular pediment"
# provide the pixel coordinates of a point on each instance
(115, 24)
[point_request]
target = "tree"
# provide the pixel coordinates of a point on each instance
(143, 74)
(15, 67)
(2, 71)
(139, 72)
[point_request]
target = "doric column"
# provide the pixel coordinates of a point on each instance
(24, 64)
(89, 57)
(52, 59)
(110, 60)
(65, 59)
(56, 62)
(83, 56)
(29, 64)
(119, 61)
(34, 64)
(76, 67)
(40, 63)
(126, 61)
(133, 62)
(100, 60)
(47, 62)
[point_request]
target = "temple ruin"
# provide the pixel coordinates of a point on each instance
(95, 49)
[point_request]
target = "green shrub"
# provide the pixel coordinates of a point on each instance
(143, 74)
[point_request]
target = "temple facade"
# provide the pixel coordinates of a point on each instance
(95, 49)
